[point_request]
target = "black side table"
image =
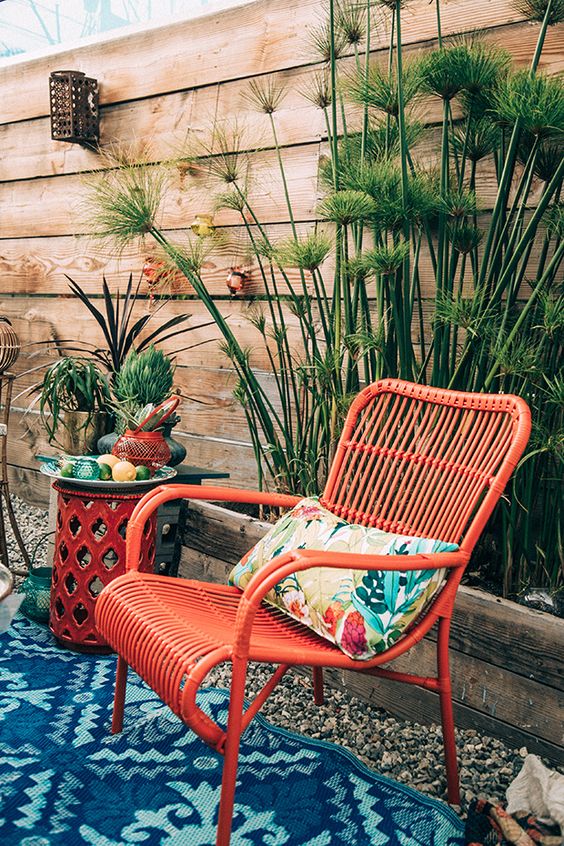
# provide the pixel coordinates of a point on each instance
(171, 518)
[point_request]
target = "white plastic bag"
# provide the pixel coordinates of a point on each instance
(538, 791)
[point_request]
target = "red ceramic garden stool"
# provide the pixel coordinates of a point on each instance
(89, 553)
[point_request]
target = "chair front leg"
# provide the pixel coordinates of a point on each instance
(231, 751)
(119, 695)
(318, 695)
(447, 716)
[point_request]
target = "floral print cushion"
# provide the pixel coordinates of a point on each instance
(362, 612)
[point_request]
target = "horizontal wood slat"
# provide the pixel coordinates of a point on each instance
(271, 36)
(38, 265)
(161, 121)
(30, 485)
(58, 206)
(41, 318)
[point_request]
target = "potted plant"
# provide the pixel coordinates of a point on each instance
(143, 382)
(73, 402)
(123, 329)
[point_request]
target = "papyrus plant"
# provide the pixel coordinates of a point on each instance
(416, 269)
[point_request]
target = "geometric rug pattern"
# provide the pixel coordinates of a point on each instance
(65, 781)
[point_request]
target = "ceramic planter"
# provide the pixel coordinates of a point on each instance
(80, 431)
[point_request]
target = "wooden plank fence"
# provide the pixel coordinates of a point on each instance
(155, 85)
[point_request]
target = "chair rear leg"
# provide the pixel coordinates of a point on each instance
(318, 695)
(119, 695)
(447, 716)
(231, 752)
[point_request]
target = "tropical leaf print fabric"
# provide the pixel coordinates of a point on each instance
(362, 612)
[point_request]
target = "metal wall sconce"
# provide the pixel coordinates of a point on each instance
(74, 108)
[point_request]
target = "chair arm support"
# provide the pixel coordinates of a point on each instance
(304, 559)
(164, 493)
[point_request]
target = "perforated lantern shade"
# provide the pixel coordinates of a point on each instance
(37, 590)
(74, 107)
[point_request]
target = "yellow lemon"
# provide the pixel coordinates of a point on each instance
(123, 471)
(108, 458)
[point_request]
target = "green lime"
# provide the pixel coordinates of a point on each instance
(142, 473)
(67, 470)
(105, 472)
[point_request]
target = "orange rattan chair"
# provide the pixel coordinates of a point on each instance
(412, 459)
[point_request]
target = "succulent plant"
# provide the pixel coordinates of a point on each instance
(145, 379)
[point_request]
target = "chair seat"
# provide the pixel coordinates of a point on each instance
(156, 621)
(431, 459)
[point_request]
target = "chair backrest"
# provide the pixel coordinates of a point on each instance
(426, 461)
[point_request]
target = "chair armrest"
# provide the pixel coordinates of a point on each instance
(164, 493)
(304, 559)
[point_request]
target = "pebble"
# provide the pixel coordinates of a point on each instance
(402, 749)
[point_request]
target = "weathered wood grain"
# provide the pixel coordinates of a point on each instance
(221, 534)
(59, 206)
(271, 35)
(45, 319)
(38, 265)
(485, 626)
(162, 123)
(30, 485)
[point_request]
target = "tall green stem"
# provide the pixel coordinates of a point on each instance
(542, 36)
(333, 66)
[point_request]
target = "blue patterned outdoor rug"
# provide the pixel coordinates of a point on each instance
(65, 781)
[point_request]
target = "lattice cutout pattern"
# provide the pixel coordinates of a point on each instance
(74, 107)
(89, 553)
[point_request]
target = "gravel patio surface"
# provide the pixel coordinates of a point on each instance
(401, 749)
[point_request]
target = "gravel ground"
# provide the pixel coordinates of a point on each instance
(403, 750)
(32, 523)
